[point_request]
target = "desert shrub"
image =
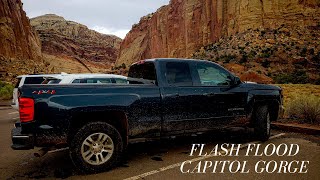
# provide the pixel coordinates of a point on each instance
(311, 51)
(282, 78)
(275, 31)
(212, 47)
(305, 107)
(252, 54)
(226, 58)
(316, 58)
(5, 91)
(122, 66)
(301, 64)
(296, 77)
(244, 58)
(303, 52)
(265, 55)
(269, 74)
(265, 63)
(241, 48)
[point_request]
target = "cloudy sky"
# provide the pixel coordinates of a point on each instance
(106, 16)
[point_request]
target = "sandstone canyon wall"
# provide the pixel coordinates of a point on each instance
(20, 47)
(183, 26)
(72, 47)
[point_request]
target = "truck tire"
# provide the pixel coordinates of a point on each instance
(262, 123)
(96, 147)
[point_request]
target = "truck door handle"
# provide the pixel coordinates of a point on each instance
(209, 94)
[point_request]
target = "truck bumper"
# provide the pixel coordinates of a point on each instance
(21, 141)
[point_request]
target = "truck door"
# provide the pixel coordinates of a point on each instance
(218, 101)
(145, 114)
(177, 97)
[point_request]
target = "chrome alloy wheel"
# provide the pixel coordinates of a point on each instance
(97, 148)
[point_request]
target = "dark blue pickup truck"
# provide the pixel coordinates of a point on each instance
(165, 97)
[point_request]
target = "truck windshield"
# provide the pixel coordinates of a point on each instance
(144, 71)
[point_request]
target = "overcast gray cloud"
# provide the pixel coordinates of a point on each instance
(106, 16)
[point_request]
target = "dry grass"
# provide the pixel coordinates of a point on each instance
(300, 95)
(293, 91)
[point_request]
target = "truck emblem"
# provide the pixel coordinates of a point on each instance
(44, 92)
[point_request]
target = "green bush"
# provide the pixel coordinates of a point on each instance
(244, 58)
(305, 107)
(311, 51)
(263, 32)
(316, 58)
(5, 91)
(122, 66)
(303, 52)
(265, 63)
(252, 54)
(226, 58)
(265, 55)
(296, 77)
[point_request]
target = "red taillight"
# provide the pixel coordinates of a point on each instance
(26, 109)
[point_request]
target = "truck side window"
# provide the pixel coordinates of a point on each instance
(211, 75)
(120, 81)
(76, 81)
(93, 81)
(178, 73)
(145, 71)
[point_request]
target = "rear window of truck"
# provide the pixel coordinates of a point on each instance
(33, 80)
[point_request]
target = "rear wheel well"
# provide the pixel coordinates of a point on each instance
(117, 119)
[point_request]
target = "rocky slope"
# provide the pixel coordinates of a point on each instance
(269, 55)
(20, 49)
(72, 47)
(184, 26)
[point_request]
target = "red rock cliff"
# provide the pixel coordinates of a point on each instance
(17, 38)
(72, 47)
(20, 47)
(183, 26)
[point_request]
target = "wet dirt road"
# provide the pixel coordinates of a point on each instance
(157, 160)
